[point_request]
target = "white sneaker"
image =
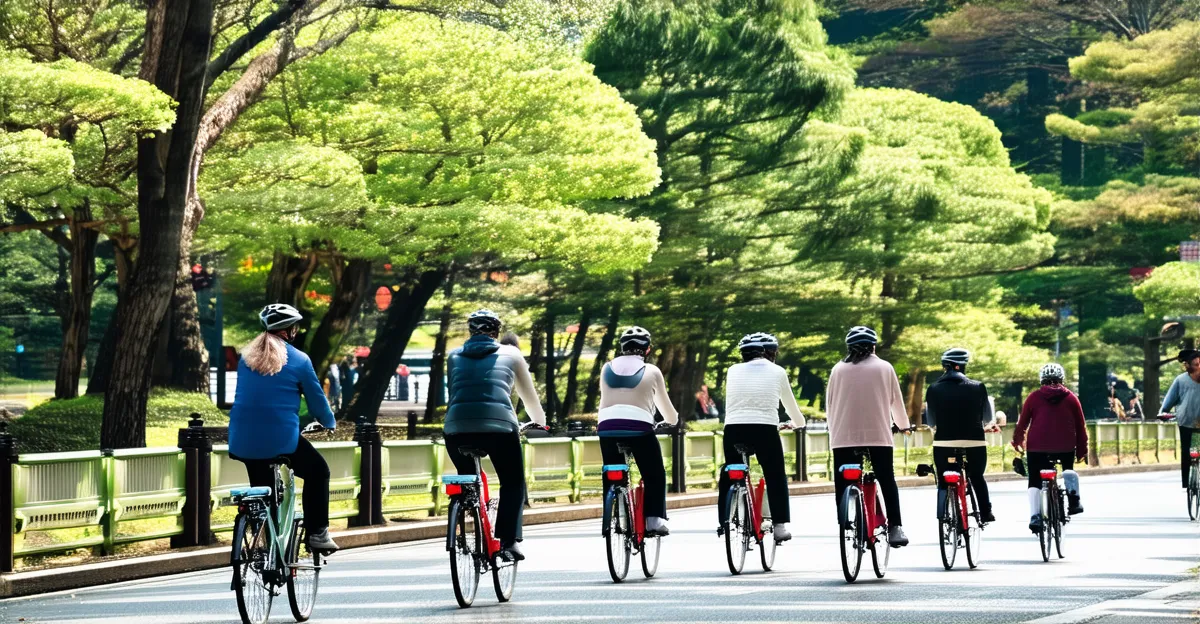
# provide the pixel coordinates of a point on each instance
(656, 526)
(781, 532)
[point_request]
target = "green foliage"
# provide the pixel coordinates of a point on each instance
(998, 351)
(1173, 289)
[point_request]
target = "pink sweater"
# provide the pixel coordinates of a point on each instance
(861, 402)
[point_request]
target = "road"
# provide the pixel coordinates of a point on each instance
(1128, 560)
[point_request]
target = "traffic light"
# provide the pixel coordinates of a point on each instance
(201, 278)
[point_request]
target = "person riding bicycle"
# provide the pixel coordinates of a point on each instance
(1184, 394)
(959, 410)
(754, 390)
(1053, 418)
(630, 392)
(264, 422)
(480, 378)
(863, 403)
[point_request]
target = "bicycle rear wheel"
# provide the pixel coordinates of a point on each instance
(1045, 535)
(304, 576)
(852, 533)
(619, 527)
(737, 532)
(1194, 493)
(250, 555)
(881, 551)
(466, 548)
(504, 578)
(948, 529)
(974, 533)
(651, 548)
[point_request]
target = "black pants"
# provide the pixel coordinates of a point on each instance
(1185, 451)
(769, 450)
(308, 464)
(976, 465)
(648, 455)
(1037, 462)
(505, 451)
(885, 476)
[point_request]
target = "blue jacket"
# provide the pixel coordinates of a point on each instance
(480, 380)
(265, 419)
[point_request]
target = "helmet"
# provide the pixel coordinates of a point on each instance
(957, 355)
(758, 340)
(483, 321)
(1053, 371)
(861, 335)
(279, 316)
(635, 336)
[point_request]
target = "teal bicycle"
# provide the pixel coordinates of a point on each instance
(270, 549)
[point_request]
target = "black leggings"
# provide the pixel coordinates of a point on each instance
(768, 448)
(1037, 462)
(648, 455)
(505, 451)
(885, 476)
(308, 464)
(1185, 451)
(976, 457)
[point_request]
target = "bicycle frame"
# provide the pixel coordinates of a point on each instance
(279, 533)
(476, 494)
(958, 478)
(740, 475)
(635, 498)
(864, 482)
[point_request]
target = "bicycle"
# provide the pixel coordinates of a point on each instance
(863, 526)
(1054, 509)
(1193, 490)
(746, 519)
(270, 548)
(470, 535)
(960, 524)
(624, 523)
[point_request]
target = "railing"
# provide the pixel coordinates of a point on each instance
(57, 502)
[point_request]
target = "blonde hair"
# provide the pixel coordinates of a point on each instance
(266, 354)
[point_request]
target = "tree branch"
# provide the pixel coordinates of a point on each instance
(251, 39)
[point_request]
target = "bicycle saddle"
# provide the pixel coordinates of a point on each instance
(744, 449)
(281, 460)
(471, 451)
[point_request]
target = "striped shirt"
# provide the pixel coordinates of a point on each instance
(754, 391)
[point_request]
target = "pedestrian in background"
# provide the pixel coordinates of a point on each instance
(333, 381)
(1135, 407)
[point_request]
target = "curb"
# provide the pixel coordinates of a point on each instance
(71, 577)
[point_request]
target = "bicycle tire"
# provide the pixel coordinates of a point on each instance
(504, 580)
(250, 549)
(1044, 536)
(466, 547)
(1060, 519)
(880, 561)
(974, 534)
(651, 549)
(766, 549)
(1194, 493)
(948, 528)
(736, 529)
(305, 575)
(851, 520)
(617, 540)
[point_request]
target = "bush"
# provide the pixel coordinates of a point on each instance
(74, 424)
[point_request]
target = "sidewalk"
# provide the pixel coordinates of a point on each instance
(187, 560)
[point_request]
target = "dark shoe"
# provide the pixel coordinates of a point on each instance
(721, 531)
(987, 516)
(511, 553)
(321, 542)
(896, 537)
(1073, 505)
(1035, 524)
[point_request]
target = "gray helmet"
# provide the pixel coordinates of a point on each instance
(483, 321)
(1053, 372)
(861, 335)
(957, 355)
(279, 316)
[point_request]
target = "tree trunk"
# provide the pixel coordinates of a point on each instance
(79, 312)
(185, 347)
(351, 281)
(551, 365)
(289, 276)
(610, 334)
(178, 37)
(915, 391)
(102, 367)
(537, 349)
(1150, 377)
(437, 364)
(403, 315)
(572, 397)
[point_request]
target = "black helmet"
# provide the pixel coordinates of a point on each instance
(483, 321)
(279, 316)
(636, 337)
(957, 355)
(861, 335)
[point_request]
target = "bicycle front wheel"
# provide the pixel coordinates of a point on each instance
(948, 529)
(304, 573)
(251, 555)
(766, 548)
(1045, 535)
(619, 529)
(852, 533)
(504, 578)
(1194, 494)
(466, 548)
(974, 532)
(737, 533)
(650, 551)
(881, 551)
(1060, 516)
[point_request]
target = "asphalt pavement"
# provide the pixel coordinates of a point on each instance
(1131, 557)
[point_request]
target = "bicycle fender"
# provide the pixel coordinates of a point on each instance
(452, 520)
(607, 517)
(849, 497)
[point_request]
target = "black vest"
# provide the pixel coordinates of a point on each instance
(958, 407)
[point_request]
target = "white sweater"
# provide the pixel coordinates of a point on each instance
(753, 392)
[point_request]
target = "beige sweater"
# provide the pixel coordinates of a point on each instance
(861, 402)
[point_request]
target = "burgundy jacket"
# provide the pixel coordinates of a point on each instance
(1053, 418)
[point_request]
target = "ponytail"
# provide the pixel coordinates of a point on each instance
(859, 352)
(266, 354)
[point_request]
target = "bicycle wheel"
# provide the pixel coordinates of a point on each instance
(766, 548)
(466, 547)
(651, 548)
(974, 536)
(948, 527)
(737, 535)
(304, 575)
(852, 533)
(250, 556)
(1060, 515)
(1194, 494)
(619, 551)
(504, 578)
(1045, 535)
(880, 545)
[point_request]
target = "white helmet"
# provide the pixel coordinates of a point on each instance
(1053, 372)
(279, 316)
(957, 355)
(861, 335)
(635, 336)
(483, 320)
(758, 340)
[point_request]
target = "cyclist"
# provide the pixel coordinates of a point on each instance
(264, 422)
(480, 377)
(754, 390)
(863, 403)
(959, 410)
(1184, 394)
(1053, 418)
(630, 392)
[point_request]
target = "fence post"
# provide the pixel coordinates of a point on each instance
(1118, 429)
(108, 524)
(8, 458)
(370, 474)
(801, 455)
(1094, 443)
(197, 485)
(412, 426)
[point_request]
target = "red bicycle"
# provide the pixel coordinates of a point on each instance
(960, 524)
(746, 518)
(862, 520)
(624, 526)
